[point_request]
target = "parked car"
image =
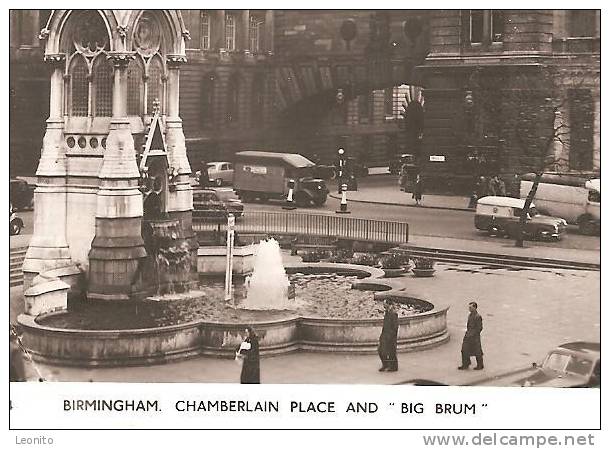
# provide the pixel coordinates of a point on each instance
(499, 216)
(21, 194)
(575, 198)
(399, 160)
(207, 204)
(575, 364)
(220, 173)
(15, 224)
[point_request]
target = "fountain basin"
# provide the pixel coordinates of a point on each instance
(286, 332)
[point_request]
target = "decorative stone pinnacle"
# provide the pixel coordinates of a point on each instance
(44, 34)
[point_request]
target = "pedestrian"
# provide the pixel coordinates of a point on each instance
(478, 191)
(418, 190)
(471, 345)
(248, 352)
(204, 177)
(403, 178)
(501, 187)
(16, 361)
(496, 187)
(388, 338)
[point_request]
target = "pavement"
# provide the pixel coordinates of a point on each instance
(526, 312)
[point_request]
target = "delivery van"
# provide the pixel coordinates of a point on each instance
(265, 175)
(575, 198)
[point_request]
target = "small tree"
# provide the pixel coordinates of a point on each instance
(531, 121)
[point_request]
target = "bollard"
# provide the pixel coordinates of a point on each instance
(343, 206)
(290, 198)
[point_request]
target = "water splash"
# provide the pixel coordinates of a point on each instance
(268, 286)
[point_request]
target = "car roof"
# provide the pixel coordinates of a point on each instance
(292, 159)
(584, 347)
(503, 201)
(218, 162)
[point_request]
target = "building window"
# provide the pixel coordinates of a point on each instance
(230, 32)
(102, 87)
(79, 87)
(205, 31)
(255, 34)
(485, 26)
(135, 82)
(583, 23)
(388, 101)
(364, 108)
(580, 103)
(207, 101)
(155, 84)
(233, 100)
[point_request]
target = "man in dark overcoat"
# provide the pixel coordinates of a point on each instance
(471, 346)
(388, 339)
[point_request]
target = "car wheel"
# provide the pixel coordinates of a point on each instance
(218, 182)
(15, 229)
(301, 199)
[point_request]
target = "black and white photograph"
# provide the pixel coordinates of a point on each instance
(339, 197)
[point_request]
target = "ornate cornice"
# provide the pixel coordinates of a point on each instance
(120, 60)
(176, 60)
(55, 59)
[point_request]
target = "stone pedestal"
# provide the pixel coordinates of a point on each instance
(48, 295)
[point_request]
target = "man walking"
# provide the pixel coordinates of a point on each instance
(388, 338)
(471, 346)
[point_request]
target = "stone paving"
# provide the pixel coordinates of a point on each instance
(525, 313)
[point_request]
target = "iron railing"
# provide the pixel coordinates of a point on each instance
(286, 223)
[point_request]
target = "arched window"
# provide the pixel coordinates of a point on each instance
(207, 101)
(135, 83)
(257, 107)
(233, 100)
(102, 87)
(79, 87)
(155, 84)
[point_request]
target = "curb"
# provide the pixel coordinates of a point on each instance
(463, 209)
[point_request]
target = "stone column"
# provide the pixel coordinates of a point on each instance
(268, 40)
(244, 32)
(117, 248)
(180, 194)
(49, 245)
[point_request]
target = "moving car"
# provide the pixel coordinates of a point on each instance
(499, 216)
(207, 204)
(220, 173)
(21, 194)
(575, 364)
(575, 198)
(266, 175)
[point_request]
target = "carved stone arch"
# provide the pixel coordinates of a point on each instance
(171, 27)
(59, 26)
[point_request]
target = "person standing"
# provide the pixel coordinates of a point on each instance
(418, 190)
(388, 339)
(471, 345)
(403, 178)
(249, 352)
(204, 177)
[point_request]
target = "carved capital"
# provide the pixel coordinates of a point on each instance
(175, 61)
(122, 31)
(186, 34)
(55, 59)
(120, 60)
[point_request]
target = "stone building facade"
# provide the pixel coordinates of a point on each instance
(312, 81)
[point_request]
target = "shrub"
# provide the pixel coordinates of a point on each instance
(313, 256)
(341, 256)
(369, 260)
(423, 263)
(392, 261)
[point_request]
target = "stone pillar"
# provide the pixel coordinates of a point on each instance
(269, 28)
(244, 32)
(117, 248)
(180, 194)
(49, 245)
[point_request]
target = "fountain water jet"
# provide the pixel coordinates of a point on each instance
(269, 284)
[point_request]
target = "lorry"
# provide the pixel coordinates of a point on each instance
(575, 198)
(266, 175)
